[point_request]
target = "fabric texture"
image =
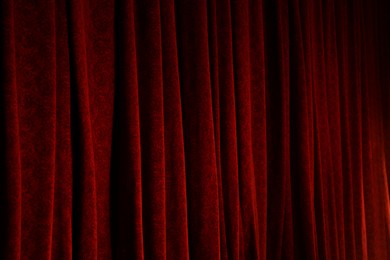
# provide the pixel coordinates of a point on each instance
(194, 129)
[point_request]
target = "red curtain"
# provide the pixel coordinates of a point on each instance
(219, 129)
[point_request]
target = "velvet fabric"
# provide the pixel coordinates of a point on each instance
(172, 129)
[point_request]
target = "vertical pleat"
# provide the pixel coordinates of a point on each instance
(302, 139)
(278, 128)
(151, 103)
(384, 178)
(34, 95)
(323, 162)
(378, 213)
(61, 239)
(84, 222)
(283, 13)
(369, 130)
(10, 161)
(356, 132)
(343, 48)
(91, 70)
(259, 116)
(215, 88)
(242, 84)
(225, 98)
(100, 66)
(333, 106)
(175, 175)
(126, 183)
(198, 125)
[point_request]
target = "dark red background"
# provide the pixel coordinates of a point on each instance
(218, 129)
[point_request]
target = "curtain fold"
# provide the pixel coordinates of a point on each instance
(218, 129)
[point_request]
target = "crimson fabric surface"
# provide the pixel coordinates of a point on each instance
(172, 129)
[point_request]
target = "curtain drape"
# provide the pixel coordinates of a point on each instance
(172, 129)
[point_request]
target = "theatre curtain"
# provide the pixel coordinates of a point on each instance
(193, 129)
